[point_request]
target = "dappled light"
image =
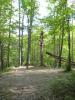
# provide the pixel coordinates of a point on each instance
(24, 82)
(20, 89)
(37, 49)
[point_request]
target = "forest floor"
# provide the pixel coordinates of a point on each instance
(32, 84)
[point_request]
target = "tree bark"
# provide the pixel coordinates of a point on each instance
(41, 48)
(22, 41)
(8, 54)
(2, 60)
(69, 46)
(61, 43)
(29, 47)
(72, 41)
(19, 35)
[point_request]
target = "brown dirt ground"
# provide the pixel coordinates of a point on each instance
(22, 84)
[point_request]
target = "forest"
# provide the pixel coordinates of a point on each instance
(37, 49)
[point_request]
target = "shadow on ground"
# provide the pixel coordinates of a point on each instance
(22, 84)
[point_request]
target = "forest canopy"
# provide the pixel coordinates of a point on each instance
(21, 27)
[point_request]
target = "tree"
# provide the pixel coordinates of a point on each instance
(69, 47)
(22, 40)
(4, 17)
(30, 9)
(10, 16)
(19, 2)
(41, 48)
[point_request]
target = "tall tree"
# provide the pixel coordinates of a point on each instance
(4, 17)
(72, 41)
(41, 48)
(22, 40)
(19, 2)
(62, 24)
(69, 46)
(30, 9)
(9, 35)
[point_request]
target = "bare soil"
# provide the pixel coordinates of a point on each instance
(22, 84)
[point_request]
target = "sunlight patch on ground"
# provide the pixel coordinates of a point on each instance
(23, 67)
(27, 89)
(33, 71)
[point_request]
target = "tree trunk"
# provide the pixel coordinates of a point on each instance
(72, 41)
(69, 54)
(8, 54)
(2, 60)
(22, 41)
(61, 43)
(54, 48)
(30, 21)
(41, 49)
(19, 36)
(29, 47)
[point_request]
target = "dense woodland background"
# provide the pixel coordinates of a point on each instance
(44, 45)
(25, 38)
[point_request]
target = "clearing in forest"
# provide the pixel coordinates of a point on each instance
(22, 84)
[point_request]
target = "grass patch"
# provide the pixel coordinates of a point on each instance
(62, 87)
(6, 70)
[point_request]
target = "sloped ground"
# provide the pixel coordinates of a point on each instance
(22, 84)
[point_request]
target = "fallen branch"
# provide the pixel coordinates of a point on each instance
(57, 57)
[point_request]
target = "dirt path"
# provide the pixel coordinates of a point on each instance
(22, 84)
